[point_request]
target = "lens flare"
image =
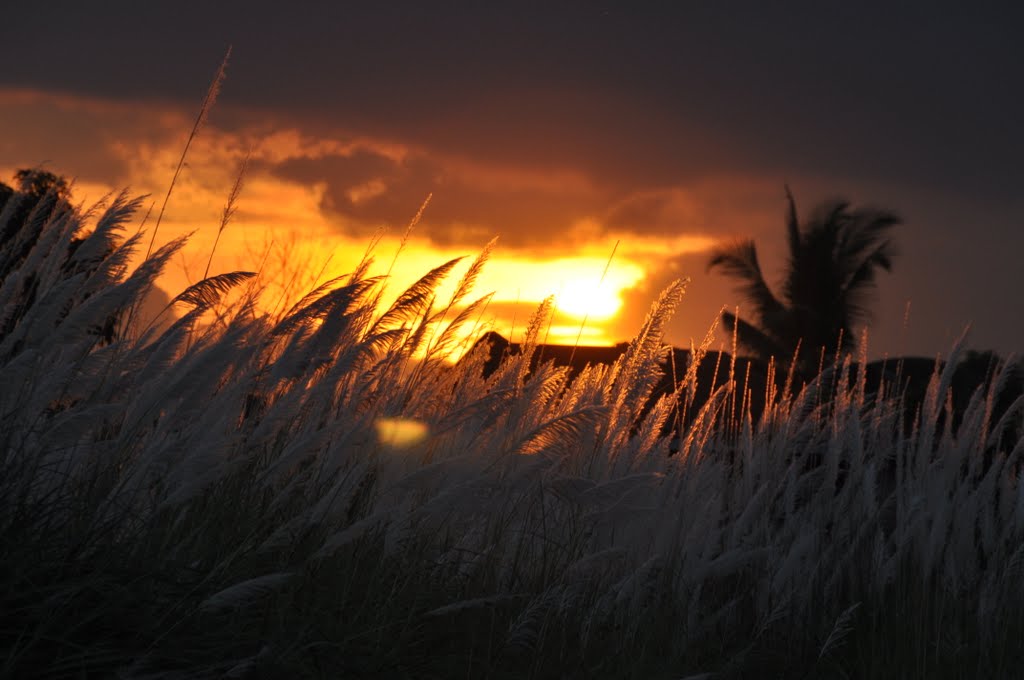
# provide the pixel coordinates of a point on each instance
(400, 433)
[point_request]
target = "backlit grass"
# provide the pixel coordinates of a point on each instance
(323, 494)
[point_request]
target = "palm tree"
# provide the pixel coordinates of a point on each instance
(833, 261)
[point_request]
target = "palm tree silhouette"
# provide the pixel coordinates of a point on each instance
(833, 261)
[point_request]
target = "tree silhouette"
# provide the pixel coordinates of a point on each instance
(831, 271)
(35, 191)
(25, 209)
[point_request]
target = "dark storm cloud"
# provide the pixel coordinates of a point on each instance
(721, 206)
(76, 140)
(646, 209)
(366, 190)
(635, 95)
(915, 107)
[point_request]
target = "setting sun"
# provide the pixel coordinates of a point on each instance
(584, 298)
(479, 340)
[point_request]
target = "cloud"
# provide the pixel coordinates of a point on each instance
(635, 96)
(555, 171)
(75, 136)
(366, 189)
(305, 190)
(364, 183)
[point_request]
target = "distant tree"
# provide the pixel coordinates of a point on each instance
(35, 182)
(6, 193)
(37, 196)
(833, 262)
(34, 188)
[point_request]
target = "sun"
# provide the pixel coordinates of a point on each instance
(584, 297)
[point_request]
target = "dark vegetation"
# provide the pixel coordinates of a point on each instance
(903, 379)
(830, 274)
(829, 280)
(37, 198)
(218, 500)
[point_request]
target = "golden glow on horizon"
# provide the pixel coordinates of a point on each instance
(292, 263)
(282, 231)
(287, 230)
(279, 232)
(585, 299)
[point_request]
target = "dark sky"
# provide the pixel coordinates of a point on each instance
(912, 107)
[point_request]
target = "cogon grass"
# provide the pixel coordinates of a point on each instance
(233, 499)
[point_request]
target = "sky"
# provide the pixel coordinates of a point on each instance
(607, 145)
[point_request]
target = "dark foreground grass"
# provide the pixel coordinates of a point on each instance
(221, 499)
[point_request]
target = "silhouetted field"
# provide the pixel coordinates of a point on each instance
(323, 494)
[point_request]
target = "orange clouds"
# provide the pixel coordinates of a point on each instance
(311, 202)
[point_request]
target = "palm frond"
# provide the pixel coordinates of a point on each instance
(792, 224)
(867, 230)
(739, 261)
(857, 289)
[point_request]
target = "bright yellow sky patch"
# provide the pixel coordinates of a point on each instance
(280, 228)
(575, 282)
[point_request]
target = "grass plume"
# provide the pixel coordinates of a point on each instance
(219, 499)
